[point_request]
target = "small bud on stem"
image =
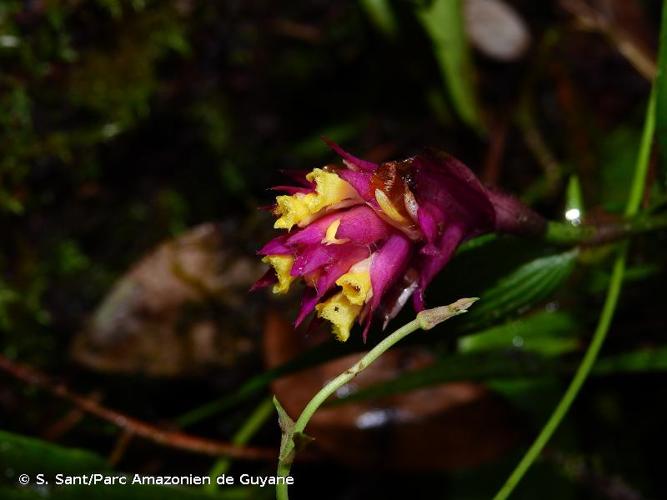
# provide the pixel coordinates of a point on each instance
(433, 317)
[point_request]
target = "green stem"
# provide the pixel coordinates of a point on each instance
(567, 234)
(381, 15)
(606, 316)
(250, 427)
(425, 320)
(578, 380)
(643, 159)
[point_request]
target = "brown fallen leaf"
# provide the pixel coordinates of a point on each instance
(182, 308)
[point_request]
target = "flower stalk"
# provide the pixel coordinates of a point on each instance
(293, 431)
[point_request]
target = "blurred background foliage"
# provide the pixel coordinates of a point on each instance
(126, 124)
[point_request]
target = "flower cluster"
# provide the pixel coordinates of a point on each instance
(367, 237)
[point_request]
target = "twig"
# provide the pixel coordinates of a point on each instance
(173, 439)
(589, 18)
(494, 154)
(120, 447)
(67, 422)
(537, 145)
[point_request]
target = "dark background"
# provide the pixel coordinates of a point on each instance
(123, 124)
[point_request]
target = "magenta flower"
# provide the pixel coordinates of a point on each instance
(368, 237)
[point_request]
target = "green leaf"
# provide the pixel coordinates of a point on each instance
(30, 455)
(547, 333)
(381, 15)
(476, 243)
(645, 360)
(574, 201)
(443, 22)
(599, 278)
(287, 433)
(342, 132)
(284, 420)
(527, 285)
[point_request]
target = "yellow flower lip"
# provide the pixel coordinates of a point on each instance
(388, 207)
(282, 265)
(356, 283)
(355, 287)
(330, 235)
(391, 215)
(341, 313)
(342, 309)
(301, 209)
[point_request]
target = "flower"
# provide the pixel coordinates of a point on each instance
(366, 237)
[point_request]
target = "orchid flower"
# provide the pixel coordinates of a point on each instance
(365, 238)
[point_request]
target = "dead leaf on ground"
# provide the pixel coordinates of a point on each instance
(182, 308)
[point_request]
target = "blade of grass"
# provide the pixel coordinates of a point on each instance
(443, 22)
(254, 385)
(381, 15)
(253, 423)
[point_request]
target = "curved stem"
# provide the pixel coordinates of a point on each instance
(606, 316)
(579, 378)
(425, 320)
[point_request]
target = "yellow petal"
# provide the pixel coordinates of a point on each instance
(341, 313)
(292, 210)
(300, 209)
(330, 189)
(356, 286)
(330, 236)
(388, 207)
(282, 265)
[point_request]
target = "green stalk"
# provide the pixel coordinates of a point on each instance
(606, 316)
(381, 15)
(250, 427)
(443, 21)
(563, 233)
(641, 167)
(425, 320)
